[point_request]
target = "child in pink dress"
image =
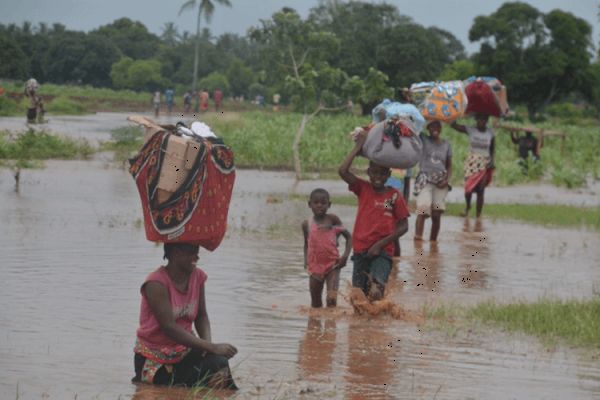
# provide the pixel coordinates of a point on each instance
(321, 256)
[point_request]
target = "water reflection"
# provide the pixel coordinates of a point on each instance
(475, 254)
(371, 363)
(315, 353)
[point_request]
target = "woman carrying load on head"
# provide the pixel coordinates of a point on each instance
(480, 162)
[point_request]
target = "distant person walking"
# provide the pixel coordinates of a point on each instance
(187, 102)
(156, 103)
(431, 184)
(204, 96)
(276, 100)
(218, 99)
(480, 163)
(169, 99)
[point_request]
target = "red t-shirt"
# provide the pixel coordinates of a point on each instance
(378, 213)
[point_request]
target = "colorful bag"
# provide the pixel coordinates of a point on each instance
(445, 101)
(486, 95)
(392, 147)
(407, 113)
(197, 211)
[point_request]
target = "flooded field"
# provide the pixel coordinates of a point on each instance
(74, 256)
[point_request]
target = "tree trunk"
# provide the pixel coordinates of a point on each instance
(197, 50)
(296, 146)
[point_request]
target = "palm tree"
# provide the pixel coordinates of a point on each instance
(169, 34)
(208, 8)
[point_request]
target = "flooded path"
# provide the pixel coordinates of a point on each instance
(74, 255)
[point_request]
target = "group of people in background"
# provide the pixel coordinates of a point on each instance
(198, 99)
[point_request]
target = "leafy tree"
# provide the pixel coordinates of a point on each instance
(458, 70)
(14, 64)
(131, 37)
(213, 81)
(208, 8)
(63, 58)
(170, 35)
(145, 75)
(361, 28)
(240, 77)
(539, 57)
(300, 53)
(119, 73)
(97, 61)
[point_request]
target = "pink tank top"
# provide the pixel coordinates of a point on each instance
(322, 248)
(185, 309)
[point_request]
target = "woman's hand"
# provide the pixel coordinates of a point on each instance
(223, 349)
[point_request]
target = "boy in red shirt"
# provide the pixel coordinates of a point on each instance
(381, 219)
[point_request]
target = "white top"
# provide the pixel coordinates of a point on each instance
(480, 141)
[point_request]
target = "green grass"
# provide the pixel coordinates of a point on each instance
(125, 142)
(32, 145)
(540, 214)
(576, 322)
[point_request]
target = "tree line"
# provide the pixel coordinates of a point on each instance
(340, 51)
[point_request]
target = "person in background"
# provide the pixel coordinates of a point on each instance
(431, 184)
(156, 102)
(276, 100)
(169, 99)
(204, 96)
(321, 256)
(218, 99)
(480, 163)
(527, 144)
(167, 352)
(187, 102)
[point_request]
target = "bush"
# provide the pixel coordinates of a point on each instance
(8, 107)
(63, 105)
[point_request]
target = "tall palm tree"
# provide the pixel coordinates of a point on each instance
(169, 34)
(208, 8)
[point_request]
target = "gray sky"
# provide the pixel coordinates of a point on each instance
(455, 16)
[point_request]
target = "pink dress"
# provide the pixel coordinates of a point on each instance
(322, 248)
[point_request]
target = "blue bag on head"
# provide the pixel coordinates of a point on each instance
(407, 113)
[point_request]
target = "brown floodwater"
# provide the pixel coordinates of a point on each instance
(74, 255)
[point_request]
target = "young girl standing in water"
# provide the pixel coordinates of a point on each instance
(321, 256)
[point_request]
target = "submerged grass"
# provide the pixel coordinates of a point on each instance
(33, 145)
(575, 321)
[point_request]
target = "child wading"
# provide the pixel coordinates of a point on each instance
(321, 256)
(381, 219)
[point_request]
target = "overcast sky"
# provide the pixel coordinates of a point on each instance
(455, 16)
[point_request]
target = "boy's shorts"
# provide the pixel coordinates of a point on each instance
(378, 268)
(431, 198)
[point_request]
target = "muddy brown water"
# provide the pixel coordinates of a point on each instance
(74, 255)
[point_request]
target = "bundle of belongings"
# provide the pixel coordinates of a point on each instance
(486, 95)
(440, 101)
(185, 177)
(392, 140)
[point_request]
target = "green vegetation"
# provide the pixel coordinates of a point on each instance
(125, 142)
(575, 321)
(542, 214)
(32, 145)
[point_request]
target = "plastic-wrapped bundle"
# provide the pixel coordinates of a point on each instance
(392, 144)
(444, 101)
(407, 113)
(486, 95)
(185, 186)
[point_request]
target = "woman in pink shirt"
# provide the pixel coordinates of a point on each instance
(166, 350)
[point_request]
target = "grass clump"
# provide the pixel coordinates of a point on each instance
(125, 141)
(65, 106)
(542, 214)
(33, 145)
(575, 321)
